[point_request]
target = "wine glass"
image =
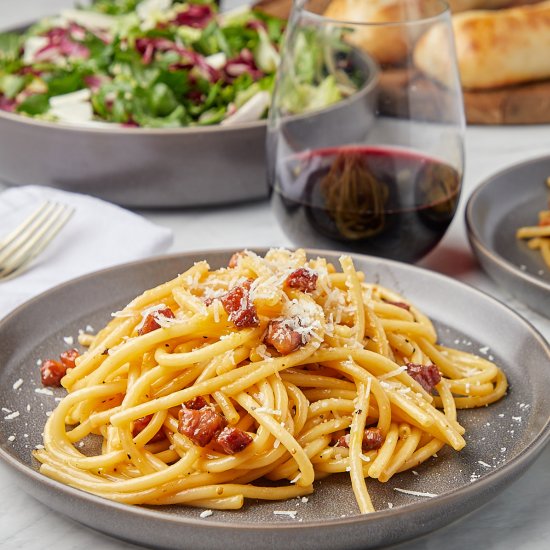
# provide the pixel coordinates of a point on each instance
(365, 135)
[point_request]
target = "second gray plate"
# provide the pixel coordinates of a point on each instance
(502, 440)
(506, 201)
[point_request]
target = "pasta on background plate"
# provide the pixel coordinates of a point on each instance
(253, 381)
(538, 236)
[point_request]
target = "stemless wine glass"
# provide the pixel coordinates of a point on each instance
(365, 136)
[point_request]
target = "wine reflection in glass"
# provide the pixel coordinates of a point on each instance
(365, 153)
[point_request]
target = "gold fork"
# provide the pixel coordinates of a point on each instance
(25, 242)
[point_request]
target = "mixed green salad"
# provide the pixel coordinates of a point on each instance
(147, 63)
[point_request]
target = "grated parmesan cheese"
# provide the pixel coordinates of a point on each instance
(415, 493)
(205, 514)
(262, 351)
(123, 314)
(393, 373)
(17, 384)
(296, 478)
(44, 391)
(290, 513)
(12, 415)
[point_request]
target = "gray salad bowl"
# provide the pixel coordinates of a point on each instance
(163, 168)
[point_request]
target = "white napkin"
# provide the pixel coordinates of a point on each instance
(98, 235)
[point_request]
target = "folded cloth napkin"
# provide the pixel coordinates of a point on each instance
(98, 235)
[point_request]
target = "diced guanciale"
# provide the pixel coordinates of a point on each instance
(68, 358)
(242, 313)
(200, 426)
(303, 279)
(232, 440)
(282, 337)
(372, 440)
(141, 423)
(427, 376)
(150, 323)
(51, 372)
(196, 403)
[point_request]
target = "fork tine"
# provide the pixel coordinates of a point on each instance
(41, 237)
(20, 234)
(63, 216)
(18, 248)
(25, 225)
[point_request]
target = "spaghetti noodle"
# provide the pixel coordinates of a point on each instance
(277, 368)
(539, 235)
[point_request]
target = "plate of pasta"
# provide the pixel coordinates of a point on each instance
(310, 397)
(508, 223)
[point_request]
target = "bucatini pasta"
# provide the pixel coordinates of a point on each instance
(538, 236)
(253, 381)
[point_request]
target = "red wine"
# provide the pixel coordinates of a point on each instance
(386, 202)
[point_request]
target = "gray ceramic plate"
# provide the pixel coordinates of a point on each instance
(503, 439)
(506, 201)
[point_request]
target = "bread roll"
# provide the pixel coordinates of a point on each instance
(387, 44)
(494, 48)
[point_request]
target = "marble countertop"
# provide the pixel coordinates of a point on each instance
(519, 517)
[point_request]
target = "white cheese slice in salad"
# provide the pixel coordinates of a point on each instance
(32, 46)
(216, 60)
(251, 111)
(73, 112)
(74, 107)
(151, 12)
(266, 56)
(79, 96)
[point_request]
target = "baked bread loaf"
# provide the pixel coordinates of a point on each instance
(387, 44)
(391, 44)
(494, 48)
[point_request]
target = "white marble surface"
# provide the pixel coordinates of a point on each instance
(518, 518)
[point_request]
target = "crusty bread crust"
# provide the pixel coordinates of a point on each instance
(494, 48)
(387, 44)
